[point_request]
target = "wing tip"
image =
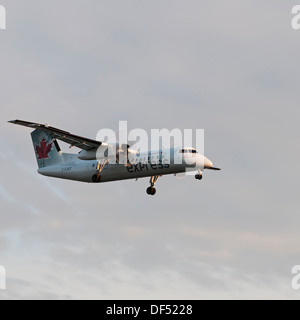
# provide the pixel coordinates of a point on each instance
(25, 123)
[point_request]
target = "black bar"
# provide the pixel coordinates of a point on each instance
(150, 309)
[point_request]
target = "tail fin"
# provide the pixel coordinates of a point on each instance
(46, 148)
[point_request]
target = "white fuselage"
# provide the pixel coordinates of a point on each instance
(150, 164)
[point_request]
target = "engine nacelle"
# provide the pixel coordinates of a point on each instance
(112, 151)
(88, 155)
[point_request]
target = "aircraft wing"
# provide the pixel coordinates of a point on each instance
(67, 137)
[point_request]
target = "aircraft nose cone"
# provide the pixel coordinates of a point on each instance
(207, 163)
(203, 162)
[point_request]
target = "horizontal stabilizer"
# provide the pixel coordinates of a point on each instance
(67, 137)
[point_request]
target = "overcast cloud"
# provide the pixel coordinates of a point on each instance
(229, 67)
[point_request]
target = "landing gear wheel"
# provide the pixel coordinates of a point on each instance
(198, 176)
(151, 191)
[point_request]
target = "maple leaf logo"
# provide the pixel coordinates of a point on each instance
(43, 150)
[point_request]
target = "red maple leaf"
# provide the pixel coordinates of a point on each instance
(43, 149)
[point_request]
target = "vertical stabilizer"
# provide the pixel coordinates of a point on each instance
(46, 149)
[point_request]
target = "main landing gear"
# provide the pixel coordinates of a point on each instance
(151, 190)
(100, 166)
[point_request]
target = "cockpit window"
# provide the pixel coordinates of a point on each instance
(188, 151)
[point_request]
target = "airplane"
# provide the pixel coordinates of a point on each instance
(87, 166)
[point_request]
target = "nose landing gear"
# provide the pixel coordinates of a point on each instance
(199, 175)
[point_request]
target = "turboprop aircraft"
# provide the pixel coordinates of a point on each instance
(93, 163)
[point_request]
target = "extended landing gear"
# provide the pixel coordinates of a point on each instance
(151, 190)
(199, 175)
(100, 167)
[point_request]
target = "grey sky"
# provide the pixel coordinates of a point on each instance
(229, 67)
